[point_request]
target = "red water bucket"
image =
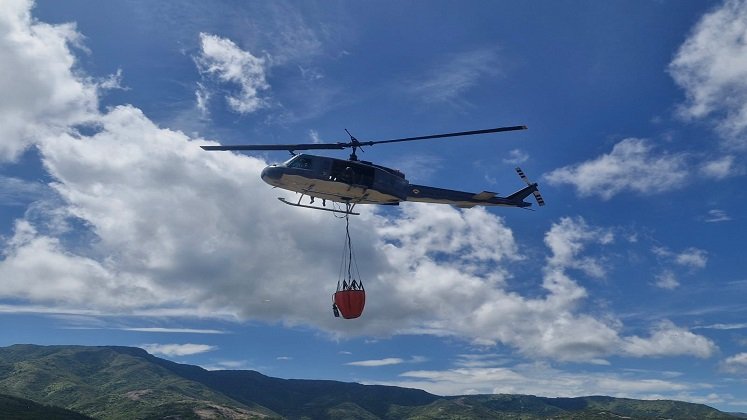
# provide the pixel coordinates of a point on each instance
(350, 302)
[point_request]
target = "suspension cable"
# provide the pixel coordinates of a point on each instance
(350, 244)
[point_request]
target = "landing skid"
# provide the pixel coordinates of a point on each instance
(317, 207)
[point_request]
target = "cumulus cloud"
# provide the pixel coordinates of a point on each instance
(632, 165)
(516, 157)
(692, 257)
(44, 94)
(666, 280)
(177, 349)
(568, 238)
(549, 326)
(667, 339)
(735, 364)
(166, 211)
(720, 168)
(711, 68)
(39, 268)
(224, 60)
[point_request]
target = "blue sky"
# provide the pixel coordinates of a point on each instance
(116, 228)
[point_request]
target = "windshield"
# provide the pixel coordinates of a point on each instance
(300, 161)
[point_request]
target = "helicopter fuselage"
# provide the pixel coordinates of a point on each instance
(338, 180)
(361, 182)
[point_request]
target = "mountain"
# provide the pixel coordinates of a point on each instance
(14, 408)
(126, 382)
(109, 382)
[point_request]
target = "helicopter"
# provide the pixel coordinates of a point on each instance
(354, 181)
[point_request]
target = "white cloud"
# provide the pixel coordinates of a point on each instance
(735, 364)
(314, 136)
(173, 330)
(669, 340)
(720, 168)
(44, 94)
(389, 361)
(479, 360)
(223, 59)
(202, 97)
(712, 69)
(717, 215)
(451, 80)
(39, 268)
(544, 380)
(177, 349)
(632, 165)
(377, 362)
(113, 81)
(737, 326)
(178, 216)
(293, 38)
(568, 238)
(516, 157)
(692, 257)
(667, 280)
(230, 365)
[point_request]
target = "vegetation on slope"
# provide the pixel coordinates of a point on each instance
(14, 408)
(106, 382)
(126, 382)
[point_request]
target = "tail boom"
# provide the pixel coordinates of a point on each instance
(462, 199)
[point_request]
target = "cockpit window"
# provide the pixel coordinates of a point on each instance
(301, 162)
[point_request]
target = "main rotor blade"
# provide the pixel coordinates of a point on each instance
(354, 143)
(437, 136)
(289, 147)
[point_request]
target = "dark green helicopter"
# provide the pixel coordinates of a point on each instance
(353, 181)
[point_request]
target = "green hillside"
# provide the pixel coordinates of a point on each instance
(506, 406)
(126, 382)
(110, 383)
(14, 408)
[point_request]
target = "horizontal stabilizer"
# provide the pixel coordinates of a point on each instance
(485, 195)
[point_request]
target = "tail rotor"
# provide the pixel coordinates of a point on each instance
(536, 193)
